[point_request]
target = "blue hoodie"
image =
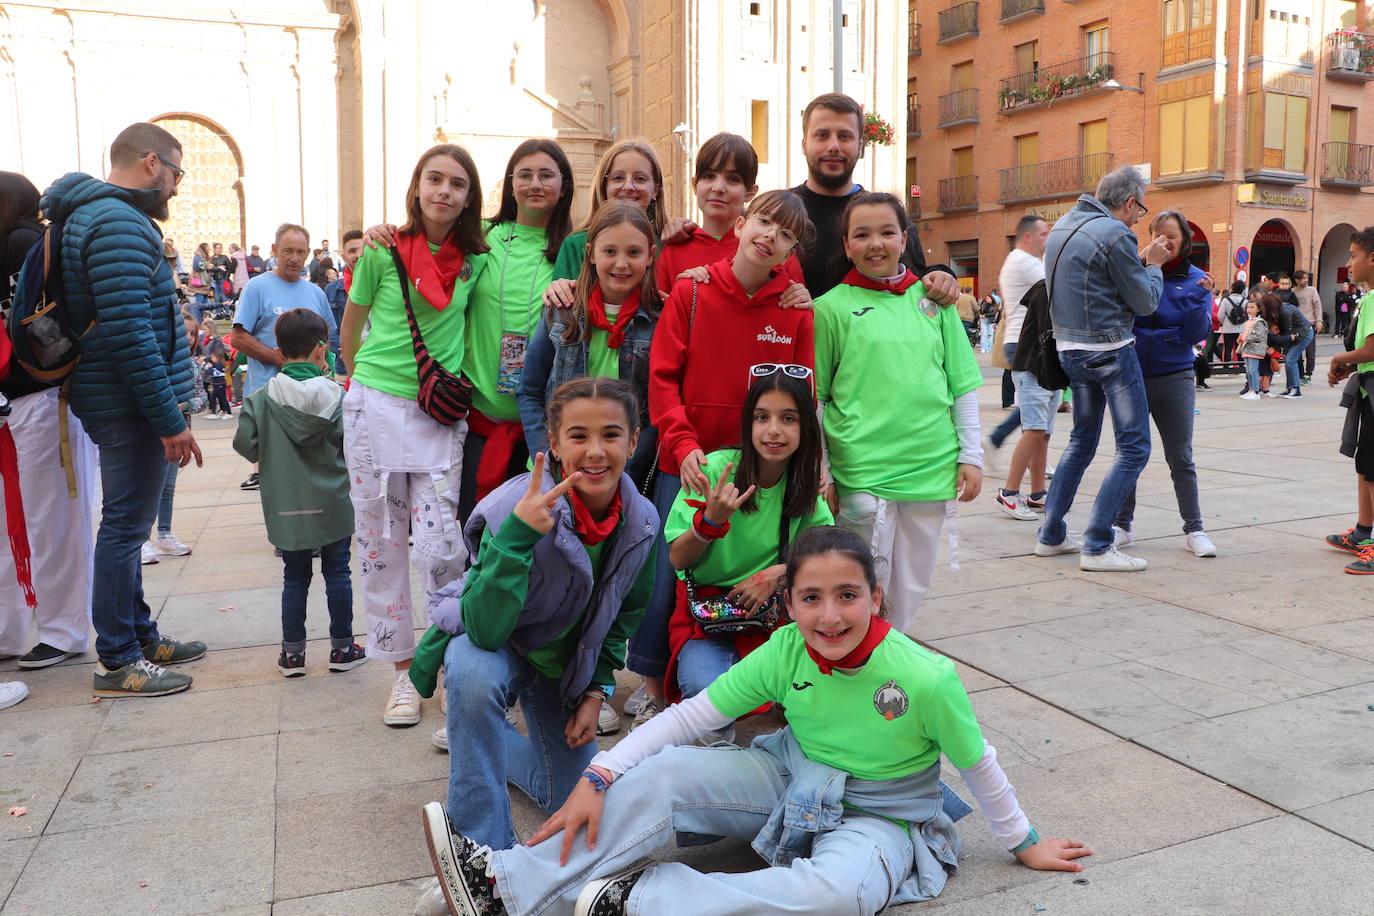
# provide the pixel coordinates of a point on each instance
(135, 361)
(1164, 339)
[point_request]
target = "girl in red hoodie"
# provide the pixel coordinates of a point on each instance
(708, 337)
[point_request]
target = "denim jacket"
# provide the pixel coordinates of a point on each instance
(550, 362)
(1098, 285)
(814, 804)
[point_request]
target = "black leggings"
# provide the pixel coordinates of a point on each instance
(214, 391)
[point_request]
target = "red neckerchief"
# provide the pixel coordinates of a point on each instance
(348, 278)
(877, 629)
(858, 278)
(589, 529)
(596, 314)
(434, 275)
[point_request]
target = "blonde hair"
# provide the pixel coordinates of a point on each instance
(655, 210)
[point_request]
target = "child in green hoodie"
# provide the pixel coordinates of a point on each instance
(293, 426)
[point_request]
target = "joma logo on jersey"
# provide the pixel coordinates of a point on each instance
(770, 335)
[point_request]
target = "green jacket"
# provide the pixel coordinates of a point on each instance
(295, 429)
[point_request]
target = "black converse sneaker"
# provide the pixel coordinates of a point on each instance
(461, 866)
(608, 896)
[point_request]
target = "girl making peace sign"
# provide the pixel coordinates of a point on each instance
(564, 569)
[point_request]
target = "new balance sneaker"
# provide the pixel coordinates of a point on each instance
(1363, 564)
(1201, 545)
(347, 659)
(651, 707)
(1347, 540)
(608, 720)
(608, 896)
(167, 651)
(252, 483)
(291, 665)
(149, 554)
(140, 679)
(1068, 545)
(169, 545)
(12, 692)
(1013, 505)
(1122, 537)
(462, 866)
(1111, 561)
(403, 705)
(1036, 501)
(43, 655)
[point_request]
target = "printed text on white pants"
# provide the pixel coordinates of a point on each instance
(906, 535)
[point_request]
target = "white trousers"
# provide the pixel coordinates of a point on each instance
(905, 537)
(61, 539)
(404, 471)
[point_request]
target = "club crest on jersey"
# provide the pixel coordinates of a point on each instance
(891, 701)
(770, 335)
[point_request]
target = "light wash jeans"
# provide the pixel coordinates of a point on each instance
(1101, 381)
(729, 792)
(986, 332)
(701, 661)
(486, 751)
(1171, 399)
(1252, 373)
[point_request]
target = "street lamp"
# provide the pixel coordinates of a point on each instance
(1114, 84)
(683, 134)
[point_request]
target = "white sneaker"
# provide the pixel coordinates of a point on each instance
(1014, 506)
(431, 902)
(1122, 537)
(403, 706)
(608, 721)
(149, 553)
(651, 707)
(1201, 545)
(440, 739)
(1068, 545)
(1049, 472)
(213, 415)
(169, 545)
(1111, 561)
(635, 700)
(990, 463)
(1250, 396)
(12, 692)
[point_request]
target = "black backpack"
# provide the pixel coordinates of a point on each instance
(1236, 314)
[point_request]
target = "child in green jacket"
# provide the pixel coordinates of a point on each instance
(293, 427)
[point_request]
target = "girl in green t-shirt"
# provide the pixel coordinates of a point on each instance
(525, 237)
(898, 382)
(765, 493)
(870, 715)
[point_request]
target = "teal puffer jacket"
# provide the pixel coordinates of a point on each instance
(136, 360)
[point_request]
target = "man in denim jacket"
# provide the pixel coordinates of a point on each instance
(1097, 288)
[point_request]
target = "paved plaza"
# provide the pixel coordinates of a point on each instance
(1206, 726)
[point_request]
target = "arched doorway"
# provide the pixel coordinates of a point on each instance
(1332, 259)
(1201, 256)
(1274, 248)
(209, 202)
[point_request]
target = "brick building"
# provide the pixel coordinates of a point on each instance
(1244, 115)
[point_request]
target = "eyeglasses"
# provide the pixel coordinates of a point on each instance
(791, 370)
(639, 180)
(177, 171)
(786, 236)
(1144, 210)
(526, 177)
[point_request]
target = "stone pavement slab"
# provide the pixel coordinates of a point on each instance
(1352, 817)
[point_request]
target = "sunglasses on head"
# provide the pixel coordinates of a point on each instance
(763, 370)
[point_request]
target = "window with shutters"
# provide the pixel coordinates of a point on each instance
(1189, 31)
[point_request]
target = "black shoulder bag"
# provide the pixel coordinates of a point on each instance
(444, 396)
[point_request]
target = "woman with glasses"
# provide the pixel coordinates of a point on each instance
(710, 335)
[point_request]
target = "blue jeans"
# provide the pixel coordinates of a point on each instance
(1252, 373)
(338, 591)
(701, 661)
(648, 651)
(164, 506)
(728, 792)
(986, 332)
(133, 471)
(487, 750)
(1292, 357)
(1171, 399)
(1101, 381)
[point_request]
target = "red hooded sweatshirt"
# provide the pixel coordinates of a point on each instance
(695, 397)
(701, 249)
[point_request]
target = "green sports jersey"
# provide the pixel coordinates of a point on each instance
(505, 301)
(602, 361)
(888, 374)
(386, 360)
(893, 717)
(1364, 326)
(751, 545)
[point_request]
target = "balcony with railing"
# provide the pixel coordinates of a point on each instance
(1055, 178)
(1347, 165)
(959, 21)
(959, 193)
(913, 38)
(1059, 81)
(913, 116)
(959, 107)
(1013, 10)
(1350, 56)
